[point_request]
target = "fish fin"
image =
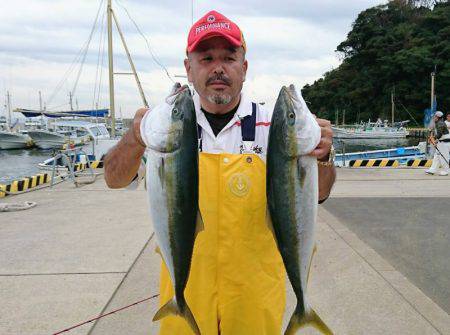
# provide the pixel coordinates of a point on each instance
(310, 318)
(172, 308)
(310, 261)
(158, 250)
(200, 224)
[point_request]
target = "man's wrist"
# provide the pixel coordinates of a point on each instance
(328, 160)
(136, 129)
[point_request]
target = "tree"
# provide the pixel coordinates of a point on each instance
(396, 45)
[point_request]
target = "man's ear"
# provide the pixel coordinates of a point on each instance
(187, 66)
(245, 66)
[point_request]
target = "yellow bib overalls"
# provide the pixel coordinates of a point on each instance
(236, 284)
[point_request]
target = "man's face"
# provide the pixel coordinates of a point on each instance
(448, 117)
(217, 70)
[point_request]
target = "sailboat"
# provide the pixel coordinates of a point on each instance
(52, 138)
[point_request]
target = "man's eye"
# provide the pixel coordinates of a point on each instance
(230, 59)
(207, 58)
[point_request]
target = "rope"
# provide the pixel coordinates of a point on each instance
(155, 59)
(407, 111)
(102, 316)
(14, 207)
(87, 48)
(72, 66)
(99, 55)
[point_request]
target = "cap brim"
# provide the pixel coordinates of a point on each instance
(211, 34)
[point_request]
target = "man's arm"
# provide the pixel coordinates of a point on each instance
(327, 174)
(123, 160)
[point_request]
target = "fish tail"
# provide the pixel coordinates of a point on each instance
(172, 308)
(302, 320)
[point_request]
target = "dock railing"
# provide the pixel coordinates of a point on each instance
(69, 157)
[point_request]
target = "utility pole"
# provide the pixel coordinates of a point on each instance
(343, 117)
(111, 71)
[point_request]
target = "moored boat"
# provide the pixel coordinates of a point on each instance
(14, 140)
(371, 130)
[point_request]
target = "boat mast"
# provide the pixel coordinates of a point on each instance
(111, 71)
(392, 106)
(8, 106)
(40, 101)
(70, 101)
(133, 69)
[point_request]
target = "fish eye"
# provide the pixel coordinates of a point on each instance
(291, 115)
(175, 111)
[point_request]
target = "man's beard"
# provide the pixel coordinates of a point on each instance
(219, 99)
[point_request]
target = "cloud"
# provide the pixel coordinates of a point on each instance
(288, 41)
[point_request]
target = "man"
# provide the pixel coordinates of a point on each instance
(237, 280)
(440, 139)
(447, 121)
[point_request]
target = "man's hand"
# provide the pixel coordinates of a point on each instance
(323, 149)
(123, 160)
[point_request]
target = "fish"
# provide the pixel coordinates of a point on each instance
(292, 197)
(170, 133)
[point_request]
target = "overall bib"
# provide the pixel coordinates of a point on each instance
(236, 284)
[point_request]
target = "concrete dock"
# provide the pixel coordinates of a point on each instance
(86, 251)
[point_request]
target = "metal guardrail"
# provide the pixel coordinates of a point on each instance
(69, 156)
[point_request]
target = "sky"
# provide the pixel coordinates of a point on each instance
(40, 42)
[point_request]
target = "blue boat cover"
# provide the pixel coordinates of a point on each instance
(85, 113)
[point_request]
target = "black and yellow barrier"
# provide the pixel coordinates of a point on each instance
(24, 184)
(374, 163)
(27, 183)
(419, 163)
(84, 166)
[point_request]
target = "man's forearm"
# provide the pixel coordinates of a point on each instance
(123, 160)
(327, 177)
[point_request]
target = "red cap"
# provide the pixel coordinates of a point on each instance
(214, 24)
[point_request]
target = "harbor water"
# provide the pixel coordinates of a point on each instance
(15, 164)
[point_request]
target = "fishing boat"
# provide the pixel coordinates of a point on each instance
(69, 133)
(372, 130)
(14, 140)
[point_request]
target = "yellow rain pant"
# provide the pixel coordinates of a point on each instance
(236, 284)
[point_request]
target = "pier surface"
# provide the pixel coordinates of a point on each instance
(381, 265)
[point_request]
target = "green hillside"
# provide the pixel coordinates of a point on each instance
(392, 47)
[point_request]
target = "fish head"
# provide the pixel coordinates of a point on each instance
(165, 123)
(293, 124)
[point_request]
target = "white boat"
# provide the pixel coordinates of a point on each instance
(10, 136)
(14, 140)
(371, 130)
(68, 133)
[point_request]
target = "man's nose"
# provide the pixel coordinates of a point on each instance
(218, 67)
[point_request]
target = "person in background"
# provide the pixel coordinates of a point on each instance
(440, 139)
(447, 121)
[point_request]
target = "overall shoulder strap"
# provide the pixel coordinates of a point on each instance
(248, 129)
(248, 126)
(200, 139)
